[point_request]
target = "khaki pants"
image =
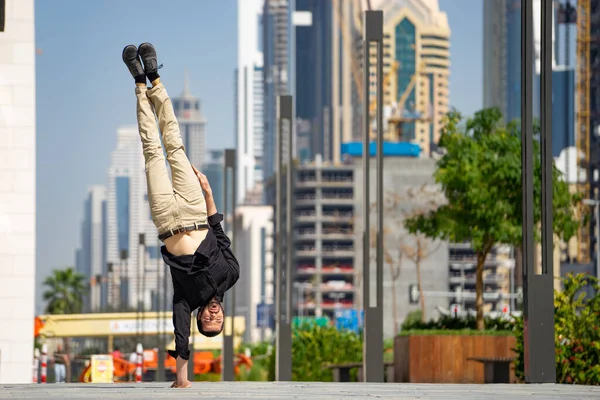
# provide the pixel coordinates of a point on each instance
(180, 204)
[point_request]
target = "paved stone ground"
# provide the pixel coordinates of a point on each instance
(296, 390)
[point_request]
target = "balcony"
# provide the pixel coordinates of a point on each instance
(337, 286)
(334, 233)
(337, 269)
(305, 233)
(336, 305)
(306, 216)
(333, 180)
(337, 197)
(459, 261)
(470, 279)
(337, 216)
(338, 250)
(306, 250)
(302, 199)
(305, 270)
(306, 182)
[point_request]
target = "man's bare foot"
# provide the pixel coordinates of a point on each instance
(182, 385)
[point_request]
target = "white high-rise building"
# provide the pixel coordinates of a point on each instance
(17, 191)
(91, 257)
(128, 215)
(249, 97)
(253, 247)
(192, 124)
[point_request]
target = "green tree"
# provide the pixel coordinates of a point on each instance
(480, 176)
(64, 292)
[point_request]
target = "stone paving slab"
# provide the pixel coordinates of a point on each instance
(296, 390)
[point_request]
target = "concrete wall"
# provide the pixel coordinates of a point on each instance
(17, 192)
(401, 177)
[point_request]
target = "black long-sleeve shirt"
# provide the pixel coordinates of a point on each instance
(197, 278)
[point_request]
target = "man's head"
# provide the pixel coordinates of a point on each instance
(211, 318)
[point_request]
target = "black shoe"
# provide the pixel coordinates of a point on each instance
(148, 55)
(132, 60)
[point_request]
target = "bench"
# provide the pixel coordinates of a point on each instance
(341, 372)
(495, 369)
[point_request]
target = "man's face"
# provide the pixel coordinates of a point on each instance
(211, 317)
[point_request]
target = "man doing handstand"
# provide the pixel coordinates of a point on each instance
(198, 252)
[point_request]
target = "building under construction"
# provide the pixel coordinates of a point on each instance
(588, 92)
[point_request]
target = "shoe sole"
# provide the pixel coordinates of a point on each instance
(153, 50)
(125, 50)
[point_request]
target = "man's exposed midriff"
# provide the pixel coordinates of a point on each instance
(185, 243)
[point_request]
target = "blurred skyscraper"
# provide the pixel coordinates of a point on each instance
(502, 53)
(249, 120)
(214, 170)
(276, 68)
(128, 215)
(192, 124)
(502, 69)
(90, 259)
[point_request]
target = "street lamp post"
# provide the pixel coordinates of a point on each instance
(596, 204)
(141, 267)
(283, 340)
(123, 281)
(160, 372)
(538, 289)
(228, 333)
(373, 308)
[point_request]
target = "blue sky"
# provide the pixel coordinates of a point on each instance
(84, 92)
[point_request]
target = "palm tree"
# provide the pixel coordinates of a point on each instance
(65, 292)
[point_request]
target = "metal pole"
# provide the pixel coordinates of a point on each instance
(597, 212)
(289, 209)
(160, 372)
(538, 290)
(373, 310)
(111, 278)
(227, 373)
(283, 340)
(190, 366)
(140, 269)
(164, 307)
(233, 166)
(123, 282)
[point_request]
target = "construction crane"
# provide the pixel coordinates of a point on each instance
(355, 68)
(398, 119)
(583, 122)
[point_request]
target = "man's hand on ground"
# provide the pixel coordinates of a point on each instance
(204, 184)
(181, 385)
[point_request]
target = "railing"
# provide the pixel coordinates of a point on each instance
(330, 248)
(470, 259)
(306, 248)
(304, 231)
(337, 269)
(338, 231)
(338, 214)
(301, 197)
(338, 196)
(337, 179)
(307, 213)
(471, 278)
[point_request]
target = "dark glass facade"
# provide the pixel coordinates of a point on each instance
(513, 60)
(313, 78)
(405, 38)
(122, 189)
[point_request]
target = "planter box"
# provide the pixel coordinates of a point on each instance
(443, 358)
